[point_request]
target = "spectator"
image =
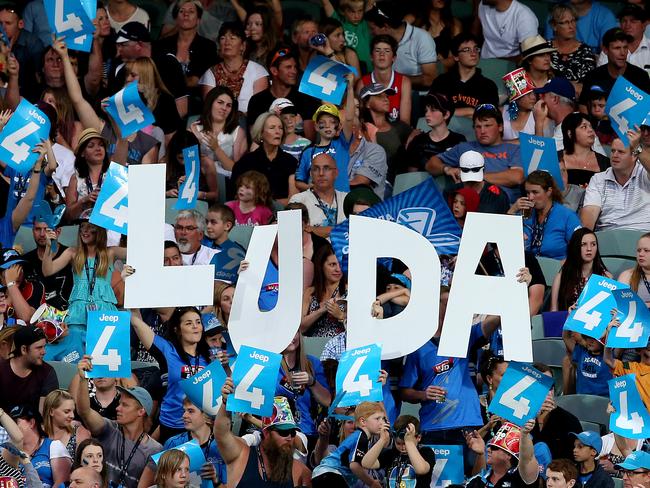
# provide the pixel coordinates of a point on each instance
(591, 371)
(463, 84)
(504, 25)
(619, 198)
(580, 160)
(583, 260)
(245, 78)
(641, 272)
(492, 199)
(188, 231)
(84, 477)
(357, 32)
(173, 469)
(586, 448)
(518, 114)
(59, 423)
(596, 102)
(172, 254)
(503, 165)
(215, 13)
(25, 294)
(633, 20)
(261, 33)
(10, 461)
(561, 473)
(25, 374)
(638, 460)
(536, 59)
(35, 21)
(208, 189)
(122, 12)
(293, 143)
(302, 31)
(253, 204)
(594, 19)
(572, 59)
(416, 51)
(383, 50)
(615, 46)
(90, 453)
(335, 47)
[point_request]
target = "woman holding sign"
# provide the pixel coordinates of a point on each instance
(181, 354)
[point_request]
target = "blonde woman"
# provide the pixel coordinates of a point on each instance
(59, 423)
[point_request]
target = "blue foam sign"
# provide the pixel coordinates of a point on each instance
(204, 388)
(627, 106)
(521, 393)
(26, 128)
(631, 418)
(189, 190)
(540, 153)
(254, 375)
(357, 376)
(448, 469)
(193, 451)
(324, 79)
(71, 19)
(129, 111)
(111, 208)
(592, 312)
(108, 341)
(634, 330)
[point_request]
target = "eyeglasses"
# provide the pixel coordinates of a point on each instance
(185, 228)
(280, 53)
(285, 433)
(472, 170)
(474, 49)
(630, 473)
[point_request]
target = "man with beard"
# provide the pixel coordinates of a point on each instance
(270, 463)
(188, 230)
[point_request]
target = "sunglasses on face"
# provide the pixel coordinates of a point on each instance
(279, 54)
(285, 433)
(472, 170)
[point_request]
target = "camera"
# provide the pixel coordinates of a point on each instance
(318, 40)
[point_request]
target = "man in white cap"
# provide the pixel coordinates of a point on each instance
(491, 198)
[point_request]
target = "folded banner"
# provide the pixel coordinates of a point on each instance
(111, 208)
(72, 19)
(129, 111)
(420, 208)
(631, 418)
(193, 451)
(540, 153)
(27, 127)
(108, 341)
(627, 106)
(324, 79)
(189, 190)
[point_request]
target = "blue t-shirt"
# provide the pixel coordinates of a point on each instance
(42, 465)
(499, 157)
(560, 225)
(352, 449)
(302, 396)
(339, 149)
(171, 408)
(425, 367)
(226, 262)
(591, 27)
(18, 184)
(270, 286)
(211, 453)
(592, 374)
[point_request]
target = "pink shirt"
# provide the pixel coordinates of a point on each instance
(258, 216)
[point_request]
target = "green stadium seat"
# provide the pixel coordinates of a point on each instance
(314, 345)
(24, 239)
(64, 372)
(171, 212)
(619, 242)
(550, 268)
(422, 125)
(537, 323)
(462, 125)
(495, 69)
(549, 351)
(406, 181)
(69, 235)
(617, 265)
(588, 408)
(241, 234)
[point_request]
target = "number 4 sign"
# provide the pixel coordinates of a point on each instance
(627, 106)
(108, 341)
(357, 376)
(111, 208)
(631, 333)
(325, 79)
(521, 393)
(540, 153)
(189, 190)
(631, 418)
(70, 19)
(27, 127)
(254, 376)
(128, 110)
(204, 388)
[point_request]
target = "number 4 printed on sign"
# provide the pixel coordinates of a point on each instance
(71, 22)
(14, 145)
(319, 78)
(253, 396)
(112, 359)
(363, 385)
(127, 114)
(590, 318)
(111, 207)
(626, 420)
(521, 406)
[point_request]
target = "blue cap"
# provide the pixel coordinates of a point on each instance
(559, 86)
(636, 460)
(400, 279)
(543, 456)
(141, 395)
(590, 438)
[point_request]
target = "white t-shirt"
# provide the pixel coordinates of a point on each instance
(202, 256)
(140, 15)
(640, 57)
(65, 169)
(504, 31)
(252, 73)
(416, 48)
(317, 216)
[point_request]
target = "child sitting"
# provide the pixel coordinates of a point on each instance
(253, 204)
(592, 372)
(462, 201)
(218, 223)
(586, 447)
(596, 101)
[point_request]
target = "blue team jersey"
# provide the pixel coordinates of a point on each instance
(302, 396)
(339, 149)
(270, 286)
(352, 449)
(171, 408)
(211, 453)
(226, 262)
(425, 367)
(561, 223)
(592, 374)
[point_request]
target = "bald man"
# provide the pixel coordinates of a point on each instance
(85, 478)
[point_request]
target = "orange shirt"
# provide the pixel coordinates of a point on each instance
(642, 372)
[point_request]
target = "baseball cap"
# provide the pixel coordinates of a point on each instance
(589, 438)
(27, 335)
(326, 108)
(471, 165)
(141, 395)
(211, 324)
(559, 86)
(25, 412)
(636, 460)
(375, 89)
(283, 105)
(507, 438)
(400, 279)
(133, 31)
(281, 418)
(10, 257)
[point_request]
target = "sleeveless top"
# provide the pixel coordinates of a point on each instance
(41, 462)
(326, 325)
(251, 477)
(227, 144)
(395, 84)
(102, 294)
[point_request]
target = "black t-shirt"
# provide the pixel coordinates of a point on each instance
(203, 53)
(600, 76)
(462, 94)
(170, 71)
(260, 103)
(277, 171)
(422, 148)
(492, 199)
(399, 469)
(535, 270)
(57, 286)
(556, 433)
(166, 114)
(512, 479)
(25, 391)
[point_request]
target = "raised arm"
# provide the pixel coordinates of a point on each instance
(21, 212)
(12, 95)
(93, 78)
(142, 330)
(349, 108)
(528, 466)
(91, 419)
(608, 353)
(14, 432)
(230, 446)
(51, 265)
(328, 7)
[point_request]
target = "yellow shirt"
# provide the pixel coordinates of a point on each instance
(642, 372)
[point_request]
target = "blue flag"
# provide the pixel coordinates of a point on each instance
(592, 312)
(540, 153)
(631, 418)
(634, 330)
(189, 190)
(193, 451)
(521, 393)
(627, 106)
(204, 388)
(324, 79)
(108, 341)
(72, 20)
(111, 208)
(26, 128)
(448, 469)
(420, 208)
(357, 376)
(129, 111)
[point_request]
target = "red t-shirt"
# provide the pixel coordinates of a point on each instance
(396, 84)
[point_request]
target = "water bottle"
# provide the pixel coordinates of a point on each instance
(318, 40)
